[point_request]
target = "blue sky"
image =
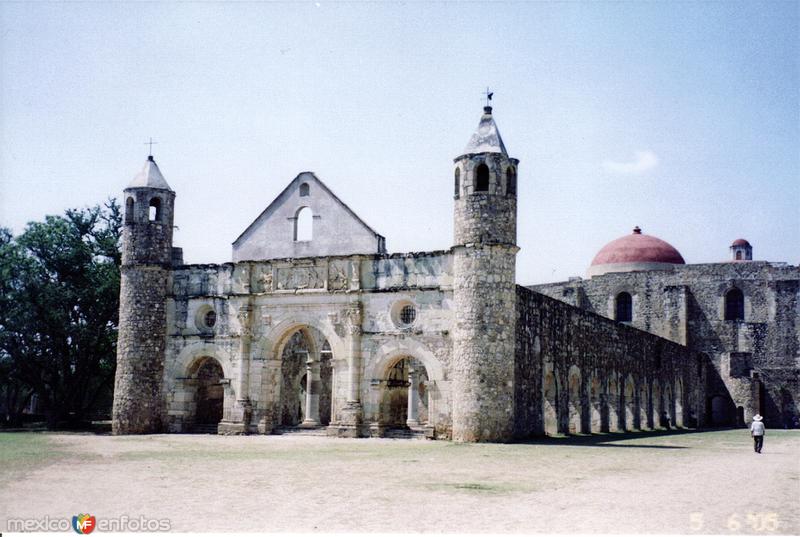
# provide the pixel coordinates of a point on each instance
(682, 118)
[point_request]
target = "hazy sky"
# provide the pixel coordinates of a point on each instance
(682, 118)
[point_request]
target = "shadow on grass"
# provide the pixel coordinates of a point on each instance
(611, 439)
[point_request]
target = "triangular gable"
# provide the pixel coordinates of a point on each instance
(357, 235)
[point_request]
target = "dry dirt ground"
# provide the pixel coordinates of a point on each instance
(685, 483)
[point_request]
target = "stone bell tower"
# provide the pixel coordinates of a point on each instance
(146, 264)
(484, 287)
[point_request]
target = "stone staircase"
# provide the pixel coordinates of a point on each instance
(301, 431)
(405, 434)
(205, 428)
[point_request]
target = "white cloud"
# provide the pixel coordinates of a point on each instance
(644, 161)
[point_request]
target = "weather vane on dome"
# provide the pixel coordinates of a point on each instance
(488, 95)
(150, 143)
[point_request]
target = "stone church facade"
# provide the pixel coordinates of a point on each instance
(314, 325)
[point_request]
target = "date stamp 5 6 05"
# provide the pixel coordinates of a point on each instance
(736, 523)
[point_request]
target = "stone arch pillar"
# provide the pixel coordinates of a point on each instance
(575, 407)
(612, 402)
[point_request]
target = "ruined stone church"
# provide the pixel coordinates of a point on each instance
(313, 325)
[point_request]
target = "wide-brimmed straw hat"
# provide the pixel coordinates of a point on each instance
(757, 417)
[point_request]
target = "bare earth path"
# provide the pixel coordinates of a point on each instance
(687, 483)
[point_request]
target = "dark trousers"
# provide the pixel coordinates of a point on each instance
(758, 442)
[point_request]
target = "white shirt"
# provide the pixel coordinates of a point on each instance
(757, 428)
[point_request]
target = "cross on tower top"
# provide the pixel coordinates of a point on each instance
(150, 143)
(488, 94)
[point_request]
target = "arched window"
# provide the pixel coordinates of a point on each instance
(304, 190)
(734, 305)
(155, 210)
(624, 308)
(738, 255)
(511, 181)
(129, 211)
(303, 225)
(457, 189)
(482, 178)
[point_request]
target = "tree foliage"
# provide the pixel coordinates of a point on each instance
(59, 304)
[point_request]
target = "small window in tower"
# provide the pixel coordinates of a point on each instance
(624, 308)
(303, 225)
(210, 319)
(734, 305)
(739, 255)
(482, 178)
(457, 183)
(511, 181)
(155, 210)
(304, 190)
(129, 211)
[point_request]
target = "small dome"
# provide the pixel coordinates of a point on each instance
(740, 242)
(635, 252)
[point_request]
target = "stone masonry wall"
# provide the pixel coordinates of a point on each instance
(571, 342)
(686, 304)
(140, 351)
(483, 343)
(313, 293)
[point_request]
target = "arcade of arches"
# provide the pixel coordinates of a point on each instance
(597, 405)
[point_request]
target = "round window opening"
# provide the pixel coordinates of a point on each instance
(210, 319)
(408, 314)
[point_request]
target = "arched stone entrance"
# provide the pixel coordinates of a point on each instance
(719, 410)
(404, 400)
(306, 379)
(205, 378)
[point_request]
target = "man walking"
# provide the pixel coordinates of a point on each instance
(757, 431)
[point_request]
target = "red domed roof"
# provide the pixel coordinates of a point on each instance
(638, 248)
(740, 242)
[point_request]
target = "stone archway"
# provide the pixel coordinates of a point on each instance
(206, 380)
(432, 386)
(404, 400)
(305, 379)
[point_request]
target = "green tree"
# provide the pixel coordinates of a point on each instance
(59, 303)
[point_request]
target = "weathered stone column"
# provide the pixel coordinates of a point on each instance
(352, 416)
(413, 398)
(312, 392)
